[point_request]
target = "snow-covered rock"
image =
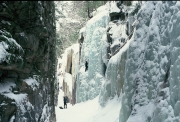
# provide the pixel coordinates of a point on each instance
(67, 71)
(144, 72)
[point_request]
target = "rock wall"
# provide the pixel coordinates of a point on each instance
(67, 72)
(32, 26)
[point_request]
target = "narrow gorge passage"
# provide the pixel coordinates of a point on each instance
(133, 54)
(89, 111)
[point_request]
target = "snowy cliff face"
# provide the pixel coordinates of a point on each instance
(27, 61)
(67, 72)
(151, 82)
(102, 40)
(141, 68)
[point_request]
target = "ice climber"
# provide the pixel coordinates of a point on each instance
(86, 65)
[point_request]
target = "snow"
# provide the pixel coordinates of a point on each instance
(17, 97)
(6, 44)
(45, 116)
(75, 47)
(3, 52)
(113, 7)
(6, 87)
(82, 30)
(117, 56)
(68, 80)
(20, 99)
(12, 118)
(70, 20)
(141, 65)
(89, 111)
(143, 113)
(110, 6)
(32, 83)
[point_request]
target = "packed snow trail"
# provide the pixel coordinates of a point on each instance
(89, 111)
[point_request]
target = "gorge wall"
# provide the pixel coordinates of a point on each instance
(27, 61)
(140, 51)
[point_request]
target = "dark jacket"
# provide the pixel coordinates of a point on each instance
(86, 64)
(66, 99)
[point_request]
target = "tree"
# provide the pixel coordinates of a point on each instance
(71, 16)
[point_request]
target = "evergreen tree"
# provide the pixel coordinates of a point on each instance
(71, 16)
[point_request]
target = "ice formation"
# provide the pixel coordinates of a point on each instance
(139, 64)
(91, 80)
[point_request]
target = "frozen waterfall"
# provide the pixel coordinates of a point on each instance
(151, 82)
(141, 68)
(89, 82)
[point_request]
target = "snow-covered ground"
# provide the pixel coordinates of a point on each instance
(89, 111)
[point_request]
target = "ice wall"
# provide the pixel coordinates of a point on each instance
(115, 71)
(144, 72)
(114, 77)
(118, 38)
(89, 82)
(150, 91)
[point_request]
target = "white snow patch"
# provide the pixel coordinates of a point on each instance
(3, 52)
(32, 83)
(90, 111)
(12, 118)
(82, 30)
(113, 7)
(143, 113)
(17, 97)
(68, 80)
(6, 87)
(45, 114)
(116, 57)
